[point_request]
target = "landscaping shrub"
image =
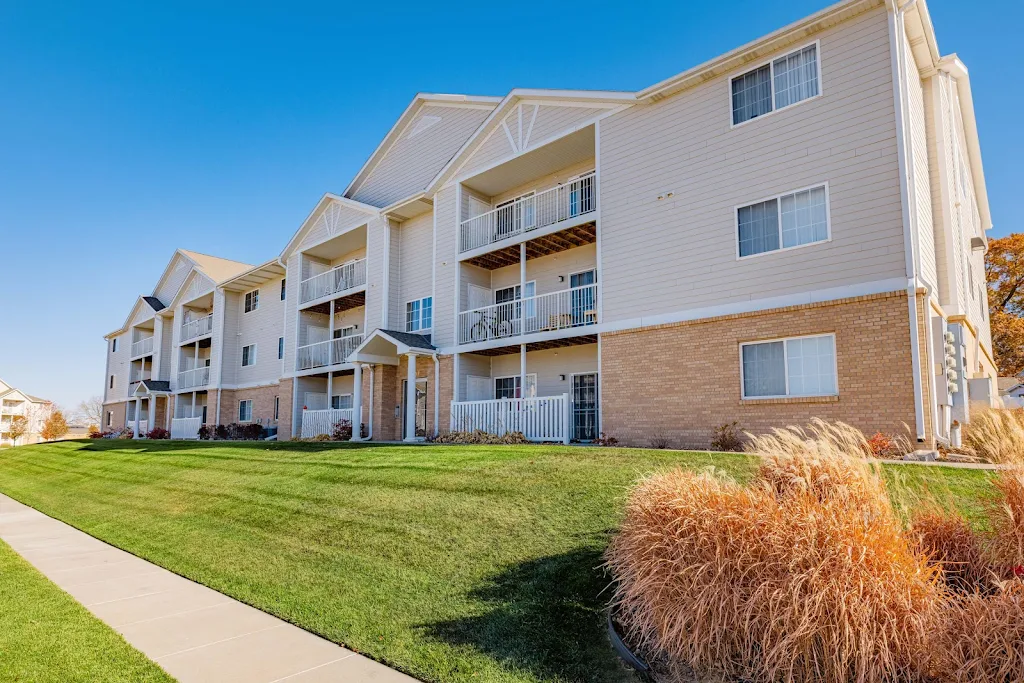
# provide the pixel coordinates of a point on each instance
(342, 431)
(605, 440)
(727, 437)
(220, 432)
(996, 435)
(480, 437)
(771, 584)
(1006, 548)
(321, 437)
(206, 432)
(983, 638)
(158, 433)
(888, 447)
(123, 433)
(946, 539)
(99, 435)
(658, 442)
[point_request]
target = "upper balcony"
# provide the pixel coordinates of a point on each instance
(142, 339)
(193, 329)
(570, 308)
(326, 353)
(338, 281)
(142, 347)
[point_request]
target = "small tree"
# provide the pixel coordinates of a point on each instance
(55, 426)
(18, 428)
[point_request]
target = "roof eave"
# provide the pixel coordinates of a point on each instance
(371, 211)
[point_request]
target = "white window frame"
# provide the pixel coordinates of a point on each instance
(771, 65)
(240, 404)
(494, 383)
(110, 417)
(284, 288)
(280, 348)
(251, 298)
(113, 348)
(405, 311)
(112, 381)
(331, 402)
(252, 356)
(785, 369)
(778, 208)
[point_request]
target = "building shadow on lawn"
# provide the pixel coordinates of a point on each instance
(546, 616)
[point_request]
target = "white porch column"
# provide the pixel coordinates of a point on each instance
(193, 413)
(357, 402)
(410, 400)
(167, 413)
(138, 416)
(522, 371)
(330, 358)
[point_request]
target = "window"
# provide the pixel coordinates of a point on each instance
(248, 355)
(111, 381)
(508, 387)
(113, 345)
(800, 366)
(341, 401)
(507, 294)
(252, 300)
(783, 222)
(283, 288)
(280, 348)
(110, 417)
(419, 314)
(776, 85)
(277, 407)
(245, 410)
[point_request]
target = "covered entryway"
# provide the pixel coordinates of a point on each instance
(143, 415)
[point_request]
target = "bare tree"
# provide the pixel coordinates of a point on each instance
(90, 411)
(18, 427)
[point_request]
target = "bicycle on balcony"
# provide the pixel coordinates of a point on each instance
(491, 327)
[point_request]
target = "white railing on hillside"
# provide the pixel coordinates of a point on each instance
(197, 328)
(546, 418)
(317, 422)
(186, 427)
(325, 353)
(564, 202)
(336, 280)
(143, 347)
(196, 377)
(576, 307)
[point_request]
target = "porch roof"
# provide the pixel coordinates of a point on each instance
(152, 386)
(384, 346)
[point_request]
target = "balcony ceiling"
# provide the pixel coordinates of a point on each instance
(345, 303)
(250, 279)
(339, 246)
(562, 153)
(540, 346)
(570, 238)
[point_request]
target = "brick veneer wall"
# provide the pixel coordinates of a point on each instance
(680, 381)
(262, 403)
(284, 420)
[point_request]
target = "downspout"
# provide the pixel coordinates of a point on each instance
(896, 35)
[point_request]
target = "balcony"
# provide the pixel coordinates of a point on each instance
(569, 308)
(348, 276)
(143, 347)
(570, 202)
(196, 377)
(326, 353)
(196, 328)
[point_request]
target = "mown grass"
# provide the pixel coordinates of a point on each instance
(450, 563)
(47, 637)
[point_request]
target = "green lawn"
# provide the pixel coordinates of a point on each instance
(450, 563)
(46, 636)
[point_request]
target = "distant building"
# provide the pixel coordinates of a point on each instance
(15, 402)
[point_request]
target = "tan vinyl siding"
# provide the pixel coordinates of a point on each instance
(262, 327)
(918, 144)
(395, 313)
(471, 364)
(492, 150)
(169, 288)
(537, 185)
(375, 243)
(446, 260)
(680, 253)
(166, 347)
(557, 121)
(294, 277)
(333, 220)
(548, 365)
(546, 270)
(416, 254)
(413, 160)
(117, 365)
(938, 165)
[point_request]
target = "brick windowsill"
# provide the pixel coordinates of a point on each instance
(789, 399)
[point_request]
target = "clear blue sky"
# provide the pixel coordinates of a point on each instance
(128, 130)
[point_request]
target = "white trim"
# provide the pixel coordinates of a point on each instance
(405, 316)
(785, 368)
(778, 209)
(771, 63)
(494, 292)
(252, 356)
(239, 412)
(494, 381)
(255, 308)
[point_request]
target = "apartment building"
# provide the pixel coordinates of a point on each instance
(14, 402)
(794, 229)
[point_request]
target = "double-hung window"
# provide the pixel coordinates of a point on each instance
(783, 222)
(252, 300)
(776, 85)
(280, 348)
(511, 387)
(419, 314)
(248, 355)
(283, 289)
(341, 401)
(799, 366)
(245, 410)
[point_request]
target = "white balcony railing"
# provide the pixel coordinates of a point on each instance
(333, 281)
(575, 198)
(197, 328)
(186, 427)
(576, 307)
(546, 418)
(143, 347)
(317, 422)
(196, 377)
(325, 353)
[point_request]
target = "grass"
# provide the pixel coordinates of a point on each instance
(46, 636)
(449, 563)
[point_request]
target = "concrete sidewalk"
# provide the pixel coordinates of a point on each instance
(193, 632)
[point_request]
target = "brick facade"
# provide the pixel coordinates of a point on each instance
(678, 382)
(262, 403)
(284, 420)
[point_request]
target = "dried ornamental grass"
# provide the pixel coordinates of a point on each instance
(1006, 548)
(744, 582)
(996, 435)
(947, 540)
(983, 639)
(481, 437)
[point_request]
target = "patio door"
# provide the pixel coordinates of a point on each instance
(584, 407)
(583, 298)
(421, 407)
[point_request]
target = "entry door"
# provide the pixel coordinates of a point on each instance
(584, 407)
(583, 298)
(421, 407)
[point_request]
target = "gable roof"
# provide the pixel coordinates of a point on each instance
(150, 302)
(254, 277)
(456, 130)
(311, 218)
(152, 386)
(154, 303)
(216, 268)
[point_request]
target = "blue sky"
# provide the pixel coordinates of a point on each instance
(128, 130)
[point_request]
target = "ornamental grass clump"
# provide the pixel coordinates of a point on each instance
(1006, 545)
(783, 580)
(983, 638)
(996, 435)
(947, 540)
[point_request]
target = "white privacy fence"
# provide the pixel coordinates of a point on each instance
(197, 377)
(143, 427)
(142, 347)
(317, 422)
(547, 418)
(333, 281)
(575, 198)
(325, 353)
(574, 307)
(197, 328)
(186, 427)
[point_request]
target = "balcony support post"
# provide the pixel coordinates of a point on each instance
(138, 416)
(522, 287)
(410, 400)
(357, 402)
(522, 371)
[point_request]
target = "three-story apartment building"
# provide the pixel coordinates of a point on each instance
(796, 228)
